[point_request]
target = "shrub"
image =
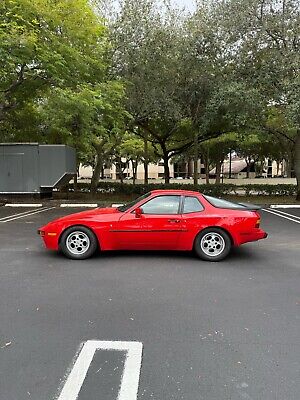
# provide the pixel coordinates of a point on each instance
(212, 189)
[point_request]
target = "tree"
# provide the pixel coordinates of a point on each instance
(263, 39)
(133, 149)
(92, 119)
(146, 42)
(46, 45)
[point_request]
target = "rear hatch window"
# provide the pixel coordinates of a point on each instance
(221, 203)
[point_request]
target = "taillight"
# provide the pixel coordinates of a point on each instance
(258, 219)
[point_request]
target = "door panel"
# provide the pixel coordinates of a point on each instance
(161, 232)
(161, 223)
(126, 232)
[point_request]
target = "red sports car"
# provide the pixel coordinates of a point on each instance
(158, 220)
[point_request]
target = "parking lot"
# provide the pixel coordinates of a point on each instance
(212, 331)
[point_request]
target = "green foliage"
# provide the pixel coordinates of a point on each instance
(213, 190)
(46, 45)
(224, 77)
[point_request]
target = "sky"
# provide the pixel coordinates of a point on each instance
(188, 4)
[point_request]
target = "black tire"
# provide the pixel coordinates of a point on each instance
(215, 248)
(81, 245)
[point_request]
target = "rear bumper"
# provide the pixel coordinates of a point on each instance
(252, 236)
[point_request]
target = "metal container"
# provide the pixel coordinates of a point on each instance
(31, 168)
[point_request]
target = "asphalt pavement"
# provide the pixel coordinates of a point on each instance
(212, 331)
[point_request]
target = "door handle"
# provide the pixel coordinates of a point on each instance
(174, 221)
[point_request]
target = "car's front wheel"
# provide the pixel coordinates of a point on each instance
(212, 244)
(78, 243)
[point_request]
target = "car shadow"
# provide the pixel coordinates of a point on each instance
(238, 255)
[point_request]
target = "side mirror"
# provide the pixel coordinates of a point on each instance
(138, 212)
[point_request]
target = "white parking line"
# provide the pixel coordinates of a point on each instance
(23, 215)
(15, 215)
(282, 216)
(33, 205)
(131, 374)
(285, 206)
(89, 205)
(289, 215)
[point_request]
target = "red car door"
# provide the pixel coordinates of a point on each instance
(161, 223)
(126, 232)
(194, 219)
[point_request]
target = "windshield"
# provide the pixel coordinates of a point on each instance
(220, 203)
(126, 207)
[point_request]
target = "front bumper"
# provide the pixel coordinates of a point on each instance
(50, 238)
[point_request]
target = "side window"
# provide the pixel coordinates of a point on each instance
(191, 204)
(162, 205)
(221, 203)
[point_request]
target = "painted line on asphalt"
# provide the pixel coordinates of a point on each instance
(131, 373)
(285, 206)
(32, 205)
(15, 215)
(91, 205)
(24, 215)
(289, 215)
(282, 216)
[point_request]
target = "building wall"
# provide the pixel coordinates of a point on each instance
(156, 171)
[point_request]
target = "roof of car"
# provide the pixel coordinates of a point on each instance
(176, 191)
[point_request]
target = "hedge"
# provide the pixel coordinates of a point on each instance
(212, 189)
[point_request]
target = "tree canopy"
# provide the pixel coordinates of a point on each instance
(141, 80)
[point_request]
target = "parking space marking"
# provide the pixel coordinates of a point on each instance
(90, 205)
(283, 216)
(15, 215)
(23, 215)
(285, 206)
(17, 205)
(289, 215)
(131, 373)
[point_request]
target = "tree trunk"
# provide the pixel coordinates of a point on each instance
(218, 172)
(120, 170)
(134, 170)
(75, 183)
(297, 164)
(166, 168)
(196, 157)
(288, 168)
(97, 171)
(248, 170)
(146, 162)
(206, 167)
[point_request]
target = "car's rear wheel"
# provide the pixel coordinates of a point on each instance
(212, 244)
(78, 243)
